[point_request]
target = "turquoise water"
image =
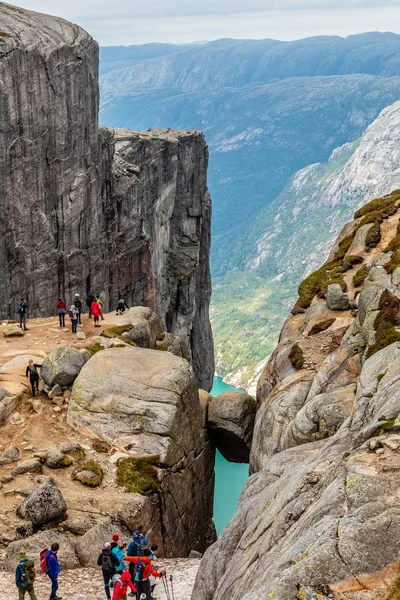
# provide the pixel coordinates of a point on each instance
(229, 477)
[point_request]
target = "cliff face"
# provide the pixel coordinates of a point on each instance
(80, 211)
(321, 508)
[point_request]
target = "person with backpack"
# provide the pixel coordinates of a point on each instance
(138, 544)
(121, 305)
(121, 585)
(153, 556)
(89, 301)
(114, 541)
(23, 313)
(25, 575)
(78, 306)
(96, 312)
(50, 565)
(143, 568)
(73, 315)
(108, 563)
(61, 311)
(100, 303)
(32, 373)
(120, 551)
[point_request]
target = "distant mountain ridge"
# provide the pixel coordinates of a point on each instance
(269, 109)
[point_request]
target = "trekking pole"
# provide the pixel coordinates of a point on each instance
(171, 581)
(167, 594)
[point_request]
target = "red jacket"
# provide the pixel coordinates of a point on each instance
(122, 585)
(60, 304)
(95, 308)
(148, 570)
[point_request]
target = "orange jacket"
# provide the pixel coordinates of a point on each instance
(146, 560)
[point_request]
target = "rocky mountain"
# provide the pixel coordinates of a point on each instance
(249, 306)
(268, 109)
(319, 515)
(89, 208)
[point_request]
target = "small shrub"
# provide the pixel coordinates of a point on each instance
(360, 276)
(138, 475)
(350, 261)
(116, 331)
(95, 348)
(387, 319)
(374, 235)
(296, 357)
(94, 467)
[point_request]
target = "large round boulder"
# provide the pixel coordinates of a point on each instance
(45, 504)
(231, 420)
(146, 328)
(95, 538)
(62, 365)
(142, 400)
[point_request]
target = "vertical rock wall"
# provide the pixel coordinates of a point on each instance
(81, 210)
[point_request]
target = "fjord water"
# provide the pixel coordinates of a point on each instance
(229, 477)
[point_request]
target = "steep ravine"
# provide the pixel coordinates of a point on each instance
(321, 508)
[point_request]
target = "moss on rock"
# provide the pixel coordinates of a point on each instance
(138, 475)
(116, 331)
(360, 276)
(86, 472)
(94, 348)
(387, 319)
(296, 357)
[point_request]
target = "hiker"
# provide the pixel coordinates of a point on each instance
(142, 570)
(100, 303)
(32, 373)
(108, 563)
(138, 544)
(96, 312)
(114, 541)
(73, 315)
(121, 586)
(120, 551)
(153, 556)
(53, 570)
(61, 311)
(23, 313)
(78, 305)
(89, 301)
(25, 575)
(121, 305)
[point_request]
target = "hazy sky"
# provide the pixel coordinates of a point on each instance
(140, 21)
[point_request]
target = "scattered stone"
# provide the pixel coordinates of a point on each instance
(13, 331)
(374, 445)
(56, 390)
(10, 455)
(33, 465)
(380, 451)
(17, 419)
(57, 409)
(86, 477)
(195, 554)
(101, 446)
(114, 458)
(73, 449)
(44, 505)
(67, 394)
(6, 479)
(57, 460)
(81, 335)
(7, 405)
(391, 443)
(58, 400)
(336, 299)
(79, 526)
(38, 406)
(25, 529)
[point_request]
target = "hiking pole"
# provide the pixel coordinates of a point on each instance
(171, 581)
(167, 594)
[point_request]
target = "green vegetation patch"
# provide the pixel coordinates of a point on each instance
(116, 331)
(394, 592)
(384, 204)
(94, 467)
(317, 283)
(394, 247)
(296, 357)
(350, 261)
(94, 348)
(360, 276)
(387, 319)
(138, 475)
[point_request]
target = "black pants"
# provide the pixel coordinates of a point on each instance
(96, 320)
(34, 383)
(61, 316)
(143, 587)
(107, 576)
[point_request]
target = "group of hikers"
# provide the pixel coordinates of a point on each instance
(93, 302)
(120, 580)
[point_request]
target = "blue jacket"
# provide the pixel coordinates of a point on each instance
(119, 553)
(137, 546)
(52, 564)
(19, 573)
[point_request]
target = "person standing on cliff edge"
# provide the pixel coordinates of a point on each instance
(23, 313)
(78, 305)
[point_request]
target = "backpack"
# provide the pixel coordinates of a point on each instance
(28, 573)
(139, 568)
(106, 563)
(114, 580)
(21, 308)
(43, 561)
(71, 314)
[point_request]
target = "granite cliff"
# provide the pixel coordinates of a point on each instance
(85, 207)
(319, 516)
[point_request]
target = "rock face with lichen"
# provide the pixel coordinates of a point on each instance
(320, 511)
(146, 403)
(116, 211)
